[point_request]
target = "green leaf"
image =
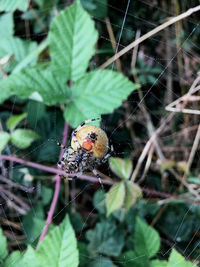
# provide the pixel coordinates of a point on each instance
(98, 92)
(176, 259)
(3, 246)
(44, 4)
(12, 5)
(5, 94)
(77, 222)
(23, 138)
(17, 47)
(121, 167)
(32, 228)
(59, 248)
(4, 138)
(101, 262)
(97, 9)
(133, 192)
(194, 180)
(158, 263)
(14, 260)
(36, 111)
(115, 197)
(31, 57)
(172, 216)
(36, 84)
(72, 38)
(146, 239)
(99, 201)
(14, 120)
(106, 238)
(131, 259)
(7, 25)
(83, 254)
(46, 193)
(30, 256)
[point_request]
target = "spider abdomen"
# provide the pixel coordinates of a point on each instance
(93, 140)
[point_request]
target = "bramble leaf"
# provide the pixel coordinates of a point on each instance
(115, 197)
(105, 238)
(3, 245)
(133, 192)
(14, 120)
(146, 239)
(12, 5)
(98, 92)
(23, 138)
(158, 263)
(30, 256)
(131, 259)
(101, 262)
(40, 85)
(19, 48)
(59, 248)
(4, 138)
(7, 25)
(121, 167)
(15, 260)
(72, 38)
(176, 259)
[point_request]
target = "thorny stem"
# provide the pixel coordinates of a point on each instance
(57, 189)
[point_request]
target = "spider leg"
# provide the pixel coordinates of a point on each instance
(77, 129)
(78, 174)
(108, 155)
(97, 175)
(65, 177)
(83, 123)
(60, 145)
(75, 140)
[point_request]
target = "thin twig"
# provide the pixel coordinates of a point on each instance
(150, 126)
(175, 105)
(147, 165)
(194, 149)
(11, 204)
(8, 222)
(168, 196)
(148, 144)
(11, 183)
(190, 160)
(113, 42)
(149, 34)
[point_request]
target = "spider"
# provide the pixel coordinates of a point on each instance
(89, 148)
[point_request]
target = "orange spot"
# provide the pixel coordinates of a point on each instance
(87, 145)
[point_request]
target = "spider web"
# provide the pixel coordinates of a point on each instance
(150, 92)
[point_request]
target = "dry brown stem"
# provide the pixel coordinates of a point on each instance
(113, 42)
(149, 34)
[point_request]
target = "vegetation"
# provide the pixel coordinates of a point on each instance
(53, 77)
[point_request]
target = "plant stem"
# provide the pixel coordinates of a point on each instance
(57, 189)
(50, 169)
(149, 34)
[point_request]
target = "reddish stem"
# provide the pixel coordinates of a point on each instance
(32, 164)
(57, 189)
(51, 170)
(90, 178)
